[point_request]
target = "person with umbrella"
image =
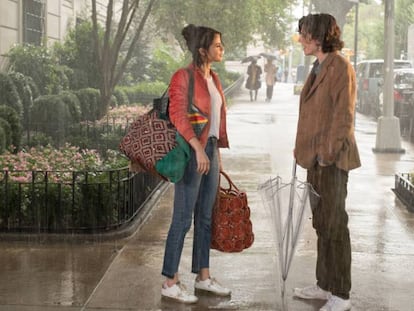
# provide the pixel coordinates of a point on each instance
(253, 79)
(326, 147)
(271, 71)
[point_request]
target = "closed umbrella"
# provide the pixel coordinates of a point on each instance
(287, 204)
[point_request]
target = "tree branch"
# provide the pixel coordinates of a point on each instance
(131, 48)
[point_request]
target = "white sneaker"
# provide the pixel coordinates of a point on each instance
(178, 292)
(211, 285)
(336, 303)
(312, 292)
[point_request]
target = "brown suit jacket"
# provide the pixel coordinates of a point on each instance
(325, 130)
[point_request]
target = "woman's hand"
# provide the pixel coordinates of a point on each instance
(203, 162)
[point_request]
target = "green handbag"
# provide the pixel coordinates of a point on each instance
(172, 165)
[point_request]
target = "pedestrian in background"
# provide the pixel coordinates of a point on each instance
(326, 147)
(271, 74)
(196, 193)
(253, 82)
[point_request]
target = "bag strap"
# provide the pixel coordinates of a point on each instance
(190, 91)
(165, 92)
(230, 182)
(190, 88)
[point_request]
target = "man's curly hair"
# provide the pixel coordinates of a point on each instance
(322, 28)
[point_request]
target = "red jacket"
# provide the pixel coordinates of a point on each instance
(178, 107)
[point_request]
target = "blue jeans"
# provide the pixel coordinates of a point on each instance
(195, 193)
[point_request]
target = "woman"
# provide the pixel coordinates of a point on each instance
(253, 83)
(271, 71)
(326, 147)
(196, 192)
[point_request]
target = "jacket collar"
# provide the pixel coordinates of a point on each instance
(308, 88)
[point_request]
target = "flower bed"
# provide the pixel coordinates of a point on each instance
(404, 189)
(67, 158)
(69, 190)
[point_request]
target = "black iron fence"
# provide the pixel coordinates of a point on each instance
(75, 202)
(404, 189)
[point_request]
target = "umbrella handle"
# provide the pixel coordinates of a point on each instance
(294, 168)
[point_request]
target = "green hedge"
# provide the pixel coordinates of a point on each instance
(121, 96)
(9, 95)
(2, 140)
(52, 116)
(12, 118)
(144, 92)
(7, 134)
(89, 99)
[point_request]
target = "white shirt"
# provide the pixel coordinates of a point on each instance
(216, 102)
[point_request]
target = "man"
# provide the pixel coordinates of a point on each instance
(326, 147)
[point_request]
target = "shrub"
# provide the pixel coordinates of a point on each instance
(10, 115)
(89, 101)
(144, 92)
(78, 52)
(163, 64)
(7, 133)
(72, 102)
(9, 95)
(38, 63)
(52, 116)
(2, 140)
(24, 89)
(38, 139)
(121, 96)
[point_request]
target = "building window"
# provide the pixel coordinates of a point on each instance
(33, 21)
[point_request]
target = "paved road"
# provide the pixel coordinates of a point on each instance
(125, 274)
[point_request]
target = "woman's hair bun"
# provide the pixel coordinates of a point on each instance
(189, 33)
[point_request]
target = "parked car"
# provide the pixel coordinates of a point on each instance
(370, 74)
(403, 97)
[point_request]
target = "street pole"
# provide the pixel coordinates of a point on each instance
(356, 32)
(388, 126)
(356, 35)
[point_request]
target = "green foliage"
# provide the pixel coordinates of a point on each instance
(38, 63)
(6, 134)
(52, 116)
(163, 64)
(239, 21)
(24, 88)
(12, 118)
(121, 97)
(141, 59)
(2, 140)
(72, 102)
(144, 92)
(38, 139)
(89, 99)
(271, 20)
(371, 28)
(404, 17)
(9, 95)
(77, 52)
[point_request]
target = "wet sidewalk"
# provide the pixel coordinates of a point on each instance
(124, 274)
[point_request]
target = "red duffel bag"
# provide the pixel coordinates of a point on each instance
(231, 228)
